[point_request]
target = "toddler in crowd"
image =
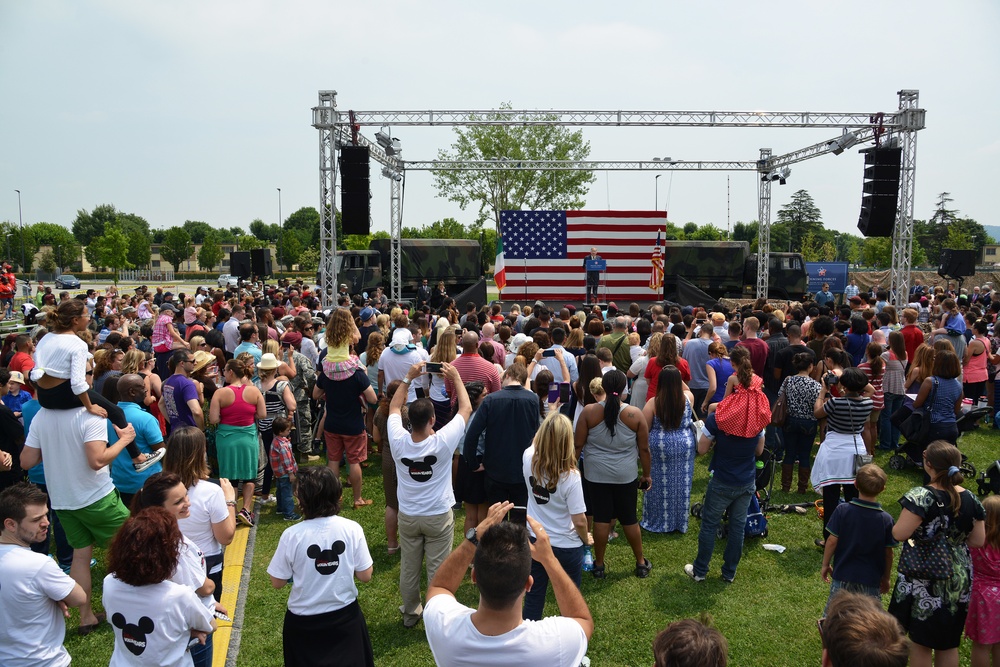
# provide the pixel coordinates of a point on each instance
(341, 333)
(16, 396)
(860, 543)
(284, 467)
(982, 625)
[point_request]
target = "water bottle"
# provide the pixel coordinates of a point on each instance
(588, 560)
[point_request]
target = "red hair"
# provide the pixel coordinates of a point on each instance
(146, 548)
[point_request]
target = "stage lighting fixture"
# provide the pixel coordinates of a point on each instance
(391, 173)
(783, 174)
(842, 143)
(383, 139)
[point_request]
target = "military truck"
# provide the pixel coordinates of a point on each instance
(728, 269)
(457, 262)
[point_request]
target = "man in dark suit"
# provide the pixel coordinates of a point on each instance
(593, 277)
(423, 293)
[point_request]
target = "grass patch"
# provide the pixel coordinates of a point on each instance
(768, 615)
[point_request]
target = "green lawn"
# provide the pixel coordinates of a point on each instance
(768, 615)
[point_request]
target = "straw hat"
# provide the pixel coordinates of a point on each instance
(202, 359)
(267, 362)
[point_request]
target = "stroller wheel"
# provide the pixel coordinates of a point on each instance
(968, 470)
(763, 533)
(897, 462)
(696, 510)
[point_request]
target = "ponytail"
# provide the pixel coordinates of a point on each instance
(875, 360)
(945, 459)
(739, 357)
(613, 383)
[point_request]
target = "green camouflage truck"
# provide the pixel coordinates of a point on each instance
(727, 269)
(455, 261)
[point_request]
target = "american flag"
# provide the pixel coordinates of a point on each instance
(544, 252)
(656, 273)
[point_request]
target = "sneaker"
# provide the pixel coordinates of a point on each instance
(245, 517)
(728, 580)
(689, 571)
(292, 517)
(268, 500)
(642, 571)
(150, 459)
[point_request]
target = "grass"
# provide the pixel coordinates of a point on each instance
(768, 615)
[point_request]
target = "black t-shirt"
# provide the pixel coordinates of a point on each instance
(784, 358)
(365, 332)
(343, 409)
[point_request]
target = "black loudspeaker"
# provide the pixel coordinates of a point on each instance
(957, 263)
(239, 264)
(355, 196)
(881, 191)
(260, 261)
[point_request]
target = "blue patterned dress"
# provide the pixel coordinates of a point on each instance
(672, 452)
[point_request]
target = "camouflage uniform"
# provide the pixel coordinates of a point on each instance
(302, 384)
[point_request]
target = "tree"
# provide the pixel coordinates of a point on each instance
(800, 216)
(707, 232)
(18, 240)
(957, 239)
(689, 229)
(309, 259)
(112, 249)
(810, 249)
(305, 222)
(176, 246)
(89, 226)
(827, 252)
(745, 231)
(139, 248)
(197, 230)
(248, 242)
(210, 255)
(494, 191)
(65, 249)
(290, 248)
(47, 261)
(877, 252)
(264, 231)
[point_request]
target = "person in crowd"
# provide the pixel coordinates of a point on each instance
(496, 633)
(974, 362)
(322, 557)
(857, 632)
(436, 387)
(757, 347)
(473, 368)
(166, 339)
(696, 354)
(142, 559)
(933, 612)
(611, 436)
(617, 342)
(667, 356)
(423, 460)
(283, 353)
(148, 437)
(284, 467)
(302, 384)
(636, 372)
(470, 485)
(913, 335)
(249, 342)
(22, 361)
(510, 418)
(943, 390)
(874, 369)
(211, 523)
(278, 401)
(672, 446)
(555, 500)
(34, 592)
(389, 481)
(718, 368)
(231, 329)
(800, 392)
(182, 399)
(893, 380)
(982, 625)
(374, 346)
(394, 363)
(236, 409)
(690, 642)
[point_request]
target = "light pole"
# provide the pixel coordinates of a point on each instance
(20, 224)
(6, 238)
(279, 234)
(656, 206)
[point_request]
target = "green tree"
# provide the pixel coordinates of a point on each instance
(707, 232)
(689, 229)
(957, 239)
(357, 241)
(197, 230)
(249, 242)
(801, 216)
(264, 231)
(176, 246)
(89, 225)
(810, 249)
(290, 248)
(65, 249)
(210, 255)
(112, 249)
(673, 233)
(745, 231)
(305, 222)
(494, 191)
(47, 261)
(309, 259)
(827, 252)
(20, 241)
(139, 247)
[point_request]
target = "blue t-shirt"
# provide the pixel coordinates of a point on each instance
(734, 458)
(723, 369)
(856, 346)
(863, 531)
(147, 434)
(29, 409)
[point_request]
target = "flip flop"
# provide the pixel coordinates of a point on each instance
(85, 630)
(362, 503)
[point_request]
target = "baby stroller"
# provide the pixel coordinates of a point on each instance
(911, 454)
(989, 480)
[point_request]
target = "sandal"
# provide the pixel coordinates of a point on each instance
(362, 503)
(85, 630)
(599, 572)
(642, 571)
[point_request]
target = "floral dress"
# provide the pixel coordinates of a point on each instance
(671, 452)
(933, 612)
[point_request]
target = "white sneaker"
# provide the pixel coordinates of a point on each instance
(689, 571)
(150, 459)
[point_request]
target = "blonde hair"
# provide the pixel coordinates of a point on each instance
(597, 387)
(133, 362)
(555, 454)
(272, 346)
(446, 348)
(633, 339)
(196, 342)
(340, 328)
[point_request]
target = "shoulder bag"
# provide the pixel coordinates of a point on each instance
(859, 458)
(779, 413)
(928, 558)
(916, 428)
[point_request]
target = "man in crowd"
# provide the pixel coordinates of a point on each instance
(691, 643)
(617, 342)
(33, 590)
(851, 290)
(593, 277)
(913, 335)
(423, 294)
(553, 364)
(181, 400)
(249, 339)
(396, 360)
(857, 632)
(783, 360)
(758, 348)
(495, 633)
(148, 437)
(696, 355)
(231, 329)
(423, 469)
(472, 368)
(367, 328)
(824, 297)
(22, 360)
(301, 384)
(499, 351)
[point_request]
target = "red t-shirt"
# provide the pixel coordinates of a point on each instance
(652, 374)
(758, 354)
(23, 362)
(913, 337)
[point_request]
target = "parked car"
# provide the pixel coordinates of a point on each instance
(226, 280)
(66, 281)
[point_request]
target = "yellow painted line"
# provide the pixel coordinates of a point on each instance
(232, 572)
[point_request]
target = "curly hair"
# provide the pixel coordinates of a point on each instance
(146, 548)
(375, 347)
(340, 328)
(319, 492)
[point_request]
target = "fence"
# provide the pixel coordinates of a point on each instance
(147, 275)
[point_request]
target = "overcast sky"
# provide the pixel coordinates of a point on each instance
(201, 109)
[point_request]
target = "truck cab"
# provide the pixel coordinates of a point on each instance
(360, 270)
(786, 275)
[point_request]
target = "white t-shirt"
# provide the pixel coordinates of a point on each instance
(208, 506)
(455, 642)
(553, 509)
(152, 624)
(423, 469)
(60, 434)
(394, 367)
(191, 572)
(32, 628)
(322, 555)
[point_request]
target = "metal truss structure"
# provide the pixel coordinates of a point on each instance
(338, 129)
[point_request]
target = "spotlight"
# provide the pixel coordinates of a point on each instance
(842, 143)
(391, 173)
(394, 147)
(783, 174)
(383, 139)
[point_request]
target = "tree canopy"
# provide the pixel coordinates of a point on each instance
(210, 254)
(176, 246)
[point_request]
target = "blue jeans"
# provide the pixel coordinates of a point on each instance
(285, 502)
(571, 561)
(837, 585)
(201, 656)
(718, 499)
(799, 437)
(889, 434)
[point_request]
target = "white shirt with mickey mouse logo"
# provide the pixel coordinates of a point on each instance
(423, 468)
(554, 509)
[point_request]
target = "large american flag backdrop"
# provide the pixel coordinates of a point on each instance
(544, 252)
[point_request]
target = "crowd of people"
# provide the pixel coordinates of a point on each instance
(553, 428)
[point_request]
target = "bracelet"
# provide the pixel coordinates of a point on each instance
(231, 503)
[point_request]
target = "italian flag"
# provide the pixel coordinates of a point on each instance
(499, 271)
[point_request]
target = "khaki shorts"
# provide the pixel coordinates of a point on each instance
(95, 524)
(356, 447)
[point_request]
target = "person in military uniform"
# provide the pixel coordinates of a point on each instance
(593, 277)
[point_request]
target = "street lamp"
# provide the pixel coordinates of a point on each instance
(20, 223)
(6, 238)
(656, 206)
(280, 268)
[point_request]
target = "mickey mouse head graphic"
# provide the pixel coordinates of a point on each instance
(133, 634)
(540, 493)
(420, 471)
(326, 560)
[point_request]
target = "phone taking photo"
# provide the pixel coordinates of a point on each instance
(432, 367)
(564, 392)
(553, 393)
(518, 515)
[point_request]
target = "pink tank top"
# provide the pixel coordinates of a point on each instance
(975, 370)
(240, 413)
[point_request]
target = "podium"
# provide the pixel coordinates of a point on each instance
(599, 266)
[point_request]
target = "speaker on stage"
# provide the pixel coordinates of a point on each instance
(957, 263)
(881, 191)
(239, 264)
(355, 196)
(260, 261)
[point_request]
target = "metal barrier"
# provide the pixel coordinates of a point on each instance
(147, 275)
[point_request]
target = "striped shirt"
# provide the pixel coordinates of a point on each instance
(847, 415)
(473, 368)
(878, 398)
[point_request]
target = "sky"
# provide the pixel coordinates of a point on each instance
(201, 109)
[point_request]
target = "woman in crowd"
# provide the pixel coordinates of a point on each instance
(892, 390)
(283, 353)
(610, 436)
(637, 372)
(874, 369)
(444, 352)
(381, 434)
(671, 451)
(944, 391)
(278, 400)
(154, 618)
(236, 409)
(933, 612)
(322, 557)
(374, 347)
(589, 368)
(800, 392)
(574, 341)
(833, 470)
(211, 523)
(206, 371)
(487, 352)
(718, 369)
(555, 500)
(540, 385)
(470, 485)
(107, 363)
(974, 362)
(667, 356)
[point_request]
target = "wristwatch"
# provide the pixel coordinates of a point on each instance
(470, 535)
(406, 380)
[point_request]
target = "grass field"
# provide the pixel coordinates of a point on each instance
(768, 615)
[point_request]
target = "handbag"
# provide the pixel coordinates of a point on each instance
(916, 428)
(859, 458)
(779, 413)
(928, 558)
